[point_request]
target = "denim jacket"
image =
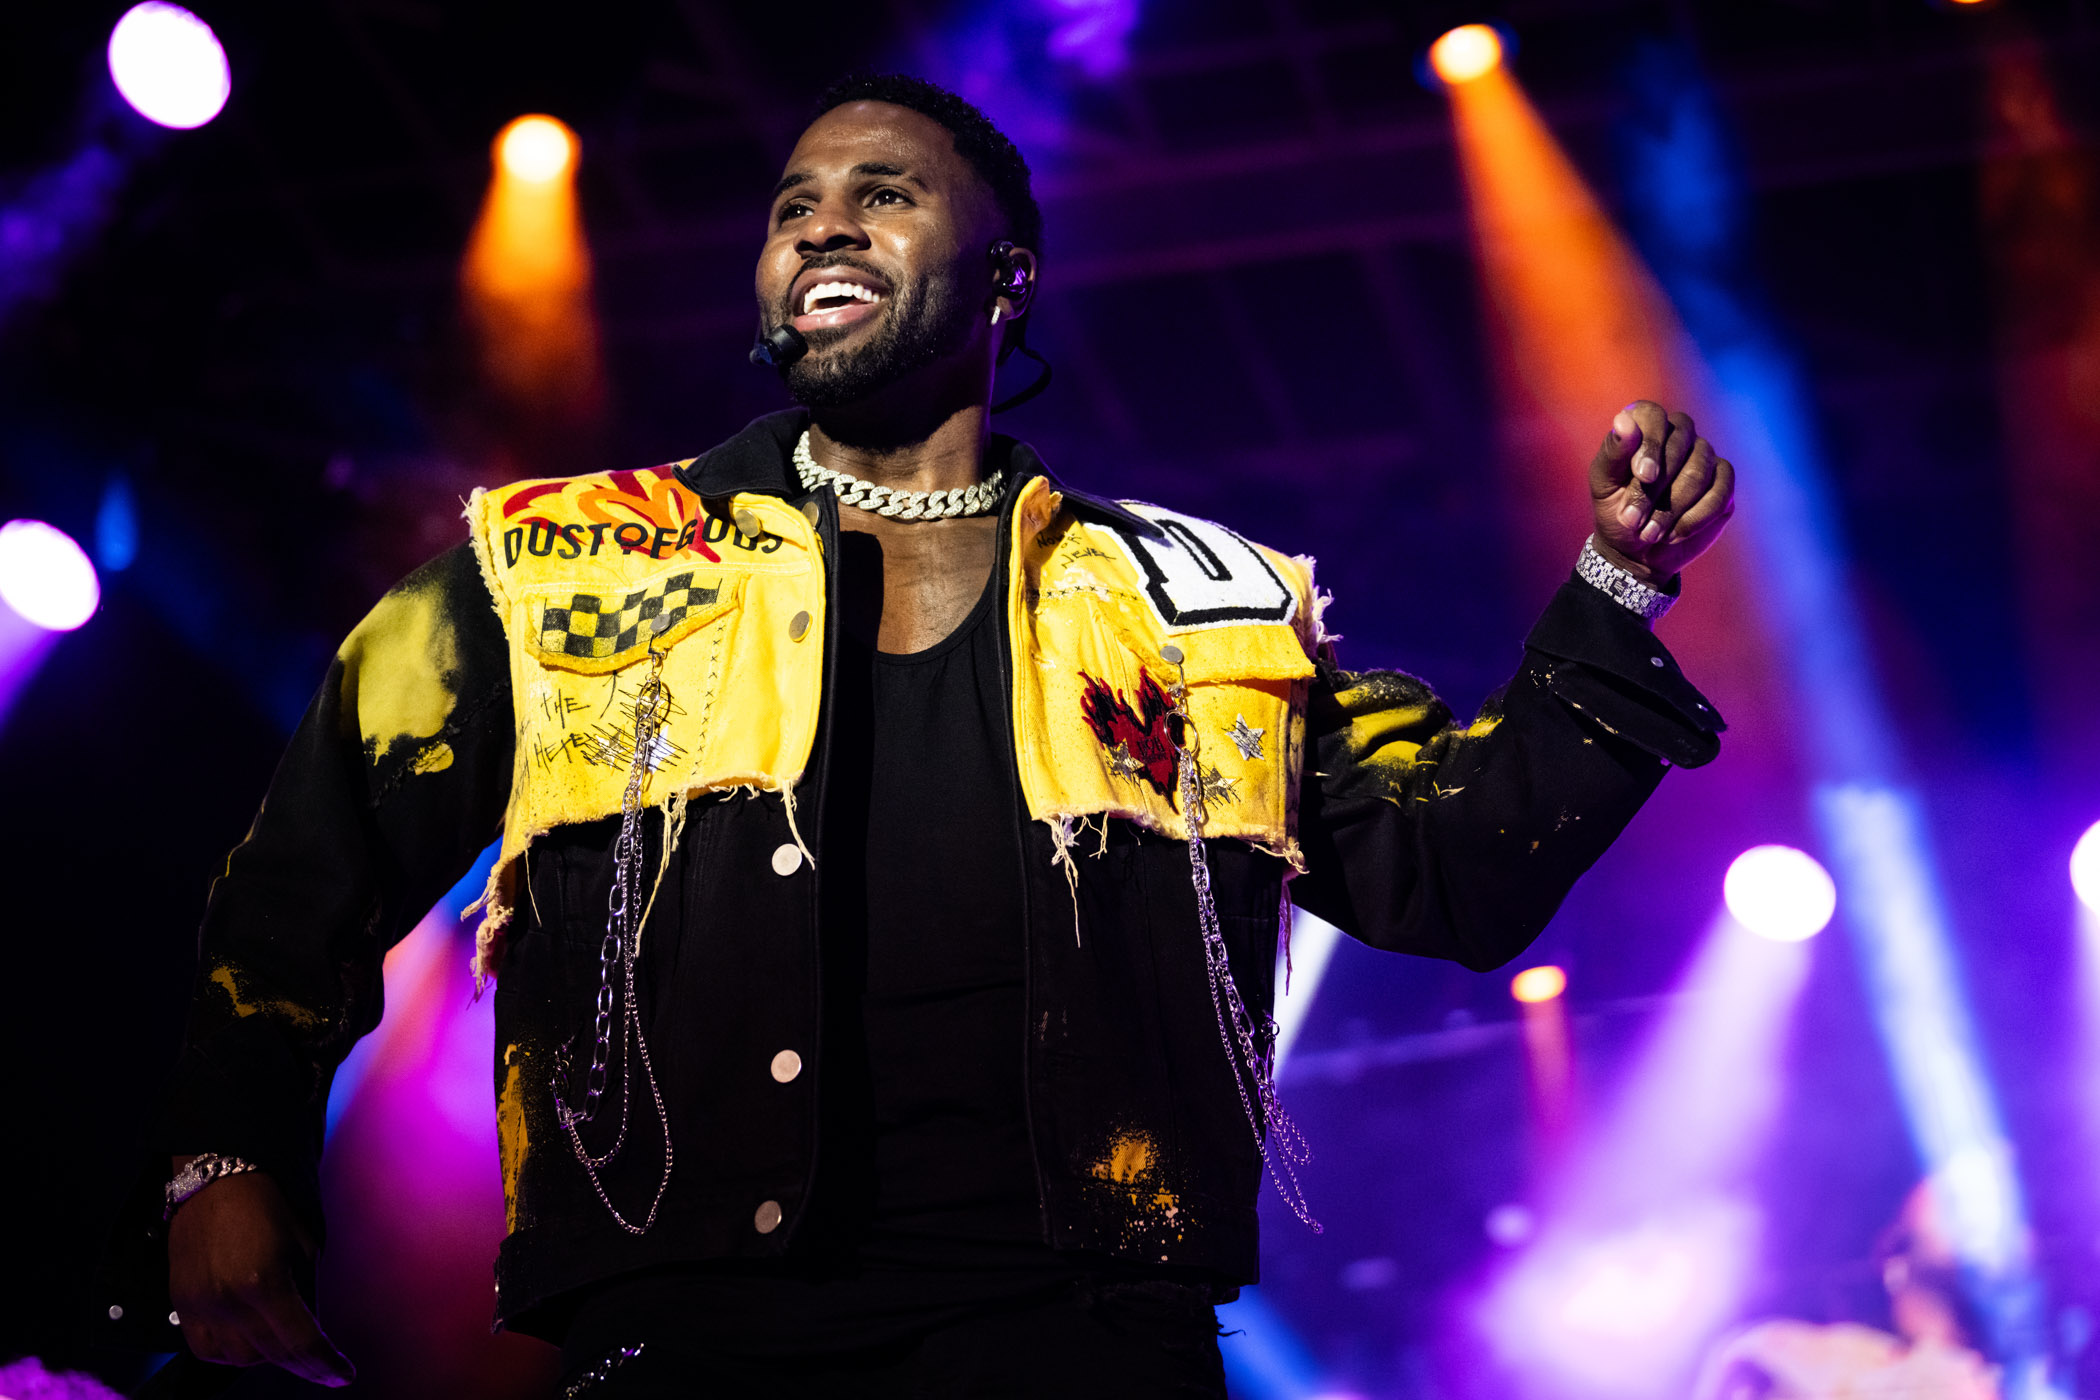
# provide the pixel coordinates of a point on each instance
(493, 694)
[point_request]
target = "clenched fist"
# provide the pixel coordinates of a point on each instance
(1660, 493)
(235, 1258)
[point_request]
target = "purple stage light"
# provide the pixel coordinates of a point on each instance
(1510, 1225)
(169, 65)
(2085, 868)
(45, 577)
(1780, 893)
(1645, 1242)
(1095, 34)
(1625, 1313)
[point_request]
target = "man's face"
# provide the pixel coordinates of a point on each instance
(875, 251)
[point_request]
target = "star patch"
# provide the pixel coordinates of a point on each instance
(1139, 738)
(1123, 765)
(1246, 738)
(1218, 788)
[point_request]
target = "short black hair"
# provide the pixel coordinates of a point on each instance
(997, 161)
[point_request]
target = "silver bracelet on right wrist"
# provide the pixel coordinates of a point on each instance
(203, 1170)
(1619, 586)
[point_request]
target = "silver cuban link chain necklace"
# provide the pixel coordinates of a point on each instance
(620, 946)
(980, 498)
(1252, 1061)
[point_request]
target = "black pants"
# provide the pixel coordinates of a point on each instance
(1137, 1340)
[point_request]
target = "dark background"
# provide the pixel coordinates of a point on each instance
(1259, 296)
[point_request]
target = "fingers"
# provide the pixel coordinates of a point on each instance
(265, 1322)
(1711, 507)
(1690, 481)
(300, 1347)
(1654, 427)
(1612, 467)
(1683, 471)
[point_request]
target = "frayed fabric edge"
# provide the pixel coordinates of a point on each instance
(481, 551)
(1064, 835)
(489, 935)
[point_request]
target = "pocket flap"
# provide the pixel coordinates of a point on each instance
(1261, 652)
(594, 633)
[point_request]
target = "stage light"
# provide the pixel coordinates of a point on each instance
(527, 281)
(1510, 1225)
(1301, 964)
(45, 576)
(1536, 984)
(2085, 868)
(536, 149)
(1622, 1312)
(1871, 825)
(1780, 893)
(1093, 33)
(169, 66)
(1465, 53)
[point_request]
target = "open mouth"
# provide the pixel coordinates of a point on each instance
(835, 297)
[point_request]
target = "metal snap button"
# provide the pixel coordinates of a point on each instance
(812, 514)
(748, 522)
(787, 859)
(798, 626)
(1655, 661)
(116, 1312)
(766, 1219)
(786, 1065)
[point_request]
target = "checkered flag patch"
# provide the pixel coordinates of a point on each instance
(591, 630)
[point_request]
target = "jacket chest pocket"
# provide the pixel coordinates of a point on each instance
(592, 631)
(1101, 728)
(611, 684)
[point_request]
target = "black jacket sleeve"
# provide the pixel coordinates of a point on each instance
(1425, 836)
(395, 780)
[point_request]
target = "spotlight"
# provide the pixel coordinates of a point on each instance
(1535, 984)
(169, 66)
(1465, 53)
(1510, 1225)
(2085, 868)
(536, 149)
(1779, 893)
(45, 576)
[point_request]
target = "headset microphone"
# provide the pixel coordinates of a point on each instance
(779, 348)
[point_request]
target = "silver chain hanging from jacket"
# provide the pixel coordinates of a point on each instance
(652, 702)
(1251, 1057)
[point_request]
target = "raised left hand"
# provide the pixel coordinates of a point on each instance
(1660, 493)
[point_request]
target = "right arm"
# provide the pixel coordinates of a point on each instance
(395, 780)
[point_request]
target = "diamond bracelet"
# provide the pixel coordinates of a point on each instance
(202, 1171)
(1619, 586)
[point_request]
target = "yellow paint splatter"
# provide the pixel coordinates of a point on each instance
(434, 758)
(511, 1132)
(1129, 1157)
(277, 1007)
(1132, 1165)
(394, 669)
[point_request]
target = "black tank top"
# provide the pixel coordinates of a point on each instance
(926, 1205)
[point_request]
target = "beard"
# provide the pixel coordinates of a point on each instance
(922, 323)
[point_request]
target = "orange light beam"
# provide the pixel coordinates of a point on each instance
(526, 277)
(1577, 326)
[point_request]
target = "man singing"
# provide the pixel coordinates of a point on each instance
(894, 846)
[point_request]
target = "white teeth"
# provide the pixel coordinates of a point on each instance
(822, 290)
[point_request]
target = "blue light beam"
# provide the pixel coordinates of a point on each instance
(1687, 211)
